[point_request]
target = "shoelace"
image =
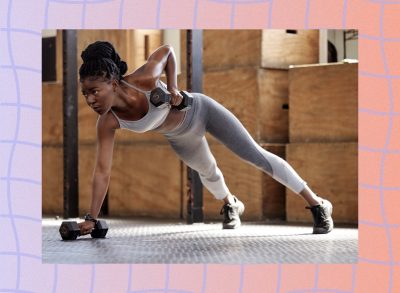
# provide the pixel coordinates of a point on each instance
(226, 208)
(317, 210)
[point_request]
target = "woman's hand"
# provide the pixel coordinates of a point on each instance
(176, 97)
(86, 227)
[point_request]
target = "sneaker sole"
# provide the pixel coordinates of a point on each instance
(226, 226)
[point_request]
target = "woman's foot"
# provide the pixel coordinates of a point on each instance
(232, 212)
(322, 215)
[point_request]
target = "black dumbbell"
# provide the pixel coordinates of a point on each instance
(160, 97)
(69, 230)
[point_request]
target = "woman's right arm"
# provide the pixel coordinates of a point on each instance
(102, 170)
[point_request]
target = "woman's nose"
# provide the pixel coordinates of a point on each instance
(90, 99)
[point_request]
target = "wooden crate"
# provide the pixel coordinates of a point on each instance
(330, 169)
(52, 176)
(237, 90)
(274, 99)
(224, 49)
(145, 180)
(323, 101)
(273, 192)
(281, 49)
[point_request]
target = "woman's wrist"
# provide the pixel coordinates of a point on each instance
(89, 217)
(172, 88)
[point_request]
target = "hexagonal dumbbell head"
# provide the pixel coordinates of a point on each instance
(159, 97)
(69, 230)
(100, 230)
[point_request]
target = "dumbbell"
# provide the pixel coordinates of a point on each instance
(69, 230)
(160, 97)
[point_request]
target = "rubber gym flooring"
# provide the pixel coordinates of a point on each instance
(157, 241)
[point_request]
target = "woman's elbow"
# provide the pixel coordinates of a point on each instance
(102, 172)
(168, 48)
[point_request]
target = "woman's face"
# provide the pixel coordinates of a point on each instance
(99, 94)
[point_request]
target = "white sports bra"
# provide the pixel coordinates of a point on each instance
(153, 118)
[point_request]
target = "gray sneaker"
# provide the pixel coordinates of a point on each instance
(231, 214)
(322, 215)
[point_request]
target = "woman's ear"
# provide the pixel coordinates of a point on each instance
(114, 84)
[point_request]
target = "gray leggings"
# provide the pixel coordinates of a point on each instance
(189, 142)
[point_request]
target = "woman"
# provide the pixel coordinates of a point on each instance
(122, 101)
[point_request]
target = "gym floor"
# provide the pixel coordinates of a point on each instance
(157, 241)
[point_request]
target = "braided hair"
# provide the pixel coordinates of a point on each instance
(100, 60)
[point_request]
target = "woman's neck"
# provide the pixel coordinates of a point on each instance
(129, 101)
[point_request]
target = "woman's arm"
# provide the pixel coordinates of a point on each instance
(164, 59)
(101, 176)
(102, 170)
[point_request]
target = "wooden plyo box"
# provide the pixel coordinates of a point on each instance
(273, 105)
(280, 48)
(224, 49)
(331, 171)
(236, 90)
(323, 101)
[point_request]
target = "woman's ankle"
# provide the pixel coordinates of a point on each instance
(229, 199)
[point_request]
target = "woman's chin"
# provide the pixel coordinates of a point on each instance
(98, 111)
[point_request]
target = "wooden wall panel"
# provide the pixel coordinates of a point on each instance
(59, 57)
(274, 97)
(330, 169)
(52, 115)
(273, 193)
(137, 48)
(52, 177)
(86, 163)
(145, 181)
(281, 49)
(323, 103)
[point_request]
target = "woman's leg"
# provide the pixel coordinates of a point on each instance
(195, 153)
(225, 127)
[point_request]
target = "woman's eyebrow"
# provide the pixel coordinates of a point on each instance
(92, 88)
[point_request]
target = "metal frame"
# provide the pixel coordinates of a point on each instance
(194, 84)
(70, 123)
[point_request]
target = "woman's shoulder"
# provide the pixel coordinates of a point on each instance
(107, 121)
(141, 80)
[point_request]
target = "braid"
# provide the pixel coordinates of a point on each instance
(101, 60)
